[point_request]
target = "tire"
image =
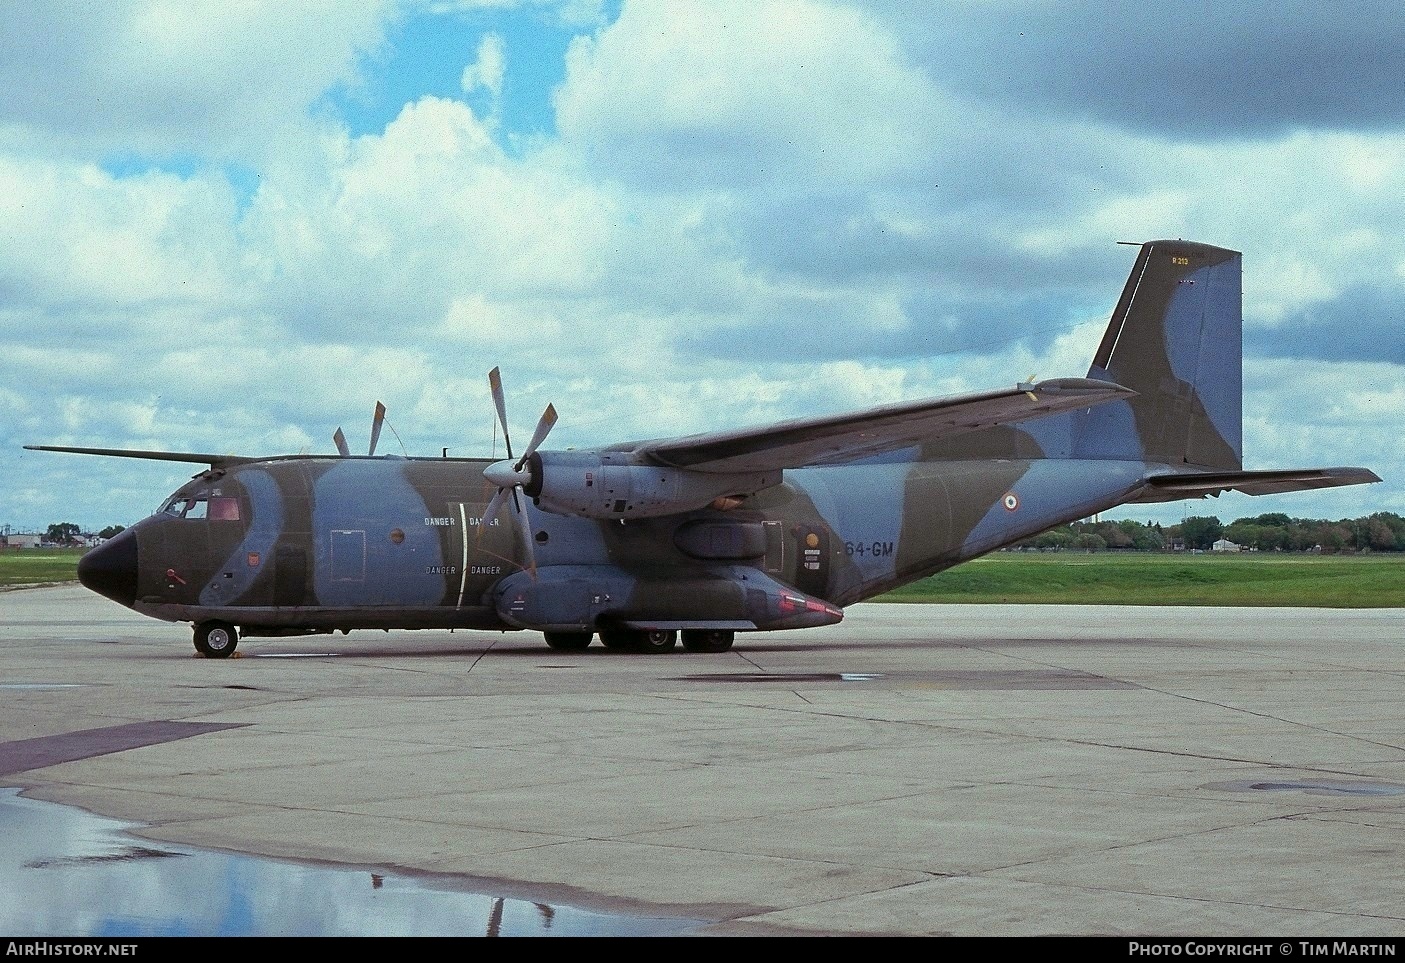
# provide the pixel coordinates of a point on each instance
(639, 640)
(617, 640)
(569, 641)
(708, 640)
(216, 640)
(654, 641)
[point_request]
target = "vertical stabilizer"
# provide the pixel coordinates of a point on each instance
(1176, 338)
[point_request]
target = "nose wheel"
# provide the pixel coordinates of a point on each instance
(216, 640)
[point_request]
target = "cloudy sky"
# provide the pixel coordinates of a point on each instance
(235, 227)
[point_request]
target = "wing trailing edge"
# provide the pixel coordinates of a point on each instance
(1170, 488)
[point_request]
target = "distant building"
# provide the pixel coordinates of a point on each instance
(23, 541)
(1225, 545)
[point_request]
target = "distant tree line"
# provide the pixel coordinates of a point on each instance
(1271, 532)
(69, 533)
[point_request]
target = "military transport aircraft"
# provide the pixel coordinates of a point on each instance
(704, 536)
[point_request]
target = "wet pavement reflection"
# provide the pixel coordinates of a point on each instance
(64, 872)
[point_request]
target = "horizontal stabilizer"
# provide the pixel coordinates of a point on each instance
(194, 458)
(836, 439)
(1170, 488)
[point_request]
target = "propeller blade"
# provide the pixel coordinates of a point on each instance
(491, 512)
(376, 423)
(508, 477)
(524, 534)
(340, 440)
(495, 381)
(548, 420)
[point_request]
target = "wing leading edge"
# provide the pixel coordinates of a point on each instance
(194, 458)
(848, 437)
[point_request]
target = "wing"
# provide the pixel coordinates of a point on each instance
(1170, 488)
(195, 458)
(847, 437)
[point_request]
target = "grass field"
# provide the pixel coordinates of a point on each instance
(1104, 578)
(27, 566)
(1110, 578)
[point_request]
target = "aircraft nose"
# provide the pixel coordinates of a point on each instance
(111, 568)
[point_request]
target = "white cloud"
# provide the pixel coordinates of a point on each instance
(78, 237)
(160, 77)
(739, 92)
(745, 206)
(487, 71)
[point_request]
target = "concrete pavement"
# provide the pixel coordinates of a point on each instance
(966, 770)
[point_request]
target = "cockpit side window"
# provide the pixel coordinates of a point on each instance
(224, 508)
(217, 507)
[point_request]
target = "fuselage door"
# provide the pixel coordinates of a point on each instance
(348, 550)
(289, 576)
(775, 546)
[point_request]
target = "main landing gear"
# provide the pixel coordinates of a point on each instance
(707, 640)
(649, 641)
(216, 640)
(568, 641)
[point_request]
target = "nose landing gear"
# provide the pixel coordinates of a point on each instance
(216, 640)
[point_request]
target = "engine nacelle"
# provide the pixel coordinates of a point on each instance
(606, 485)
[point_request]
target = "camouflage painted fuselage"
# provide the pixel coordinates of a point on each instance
(345, 543)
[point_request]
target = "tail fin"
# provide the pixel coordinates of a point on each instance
(1176, 337)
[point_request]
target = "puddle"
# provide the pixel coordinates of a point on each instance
(1321, 787)
(64, 872)
(288, 655)
(782, 677)
(40, 685)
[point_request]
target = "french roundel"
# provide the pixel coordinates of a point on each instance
(1011, 501)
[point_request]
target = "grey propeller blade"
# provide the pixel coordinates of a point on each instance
(376, 423)
(495, 381)
(524, 534)
(340, 440)
(544, 427)
(490, 513)
(509, 477)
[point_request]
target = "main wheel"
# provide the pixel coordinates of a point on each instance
(569, 641)
(216, 640)
(708, 640)
(617, 640)
(656, 640)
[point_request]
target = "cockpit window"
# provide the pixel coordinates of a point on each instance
(218, 507)
(224, 508)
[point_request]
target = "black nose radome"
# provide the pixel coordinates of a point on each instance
(111, 568)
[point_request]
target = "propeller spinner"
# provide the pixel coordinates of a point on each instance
(511, 474)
